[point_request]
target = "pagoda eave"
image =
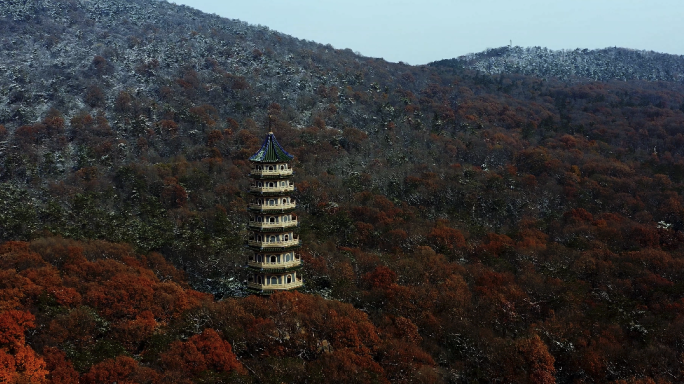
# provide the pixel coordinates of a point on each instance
(270, 177)
(275, 270)
(276, 161)
(256, 193)
(273, 230)
(271, 210)
(275, 249)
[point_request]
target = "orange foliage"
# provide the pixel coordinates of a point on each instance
(123, 297)
(61, 370)
(173, 194)
(18, 362)
(120, 370)
(536, 362)
(206, 351)
(496, 244)
(338, 365)
(446, 239)
(381, 277)
(405, 363)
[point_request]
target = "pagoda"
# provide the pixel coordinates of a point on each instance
(274, 264)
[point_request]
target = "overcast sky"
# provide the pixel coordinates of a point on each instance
(417, 32)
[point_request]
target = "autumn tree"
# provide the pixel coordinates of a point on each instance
(203, 352)
(18, 362)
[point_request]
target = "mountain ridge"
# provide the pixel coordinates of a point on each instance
(596, 65)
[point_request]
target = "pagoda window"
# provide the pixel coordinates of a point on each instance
(258, 238)
(273, 259)
(274, 280)
(288, 257)
(271, 202)
(270, 185)
(259, 219)
(271, 220)
(258, 167)
(287, 237)
(289, 279)
(260, 280)
(280, 279)
(284, 201)
(273, 239)
(259, 184)
(270, 168)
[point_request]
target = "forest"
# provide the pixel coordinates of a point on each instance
(459, 225)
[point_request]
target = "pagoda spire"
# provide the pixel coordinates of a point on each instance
(271, 152)
(274, 265)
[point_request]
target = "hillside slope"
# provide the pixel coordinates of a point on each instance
(97, 312)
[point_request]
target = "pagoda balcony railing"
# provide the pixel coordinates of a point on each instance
(273, 208)
(273, 173)
(274, 244)
(282, 224)
(266, 266)
(264, 287)
(285, 189)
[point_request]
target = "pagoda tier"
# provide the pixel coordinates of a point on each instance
(273, 204)
(273, 223)
(274, 262)
(271, 188)
(274, 265)
(268, 174)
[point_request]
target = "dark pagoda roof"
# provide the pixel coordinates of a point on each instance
(271, 152)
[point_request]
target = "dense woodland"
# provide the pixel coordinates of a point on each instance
(458, 226)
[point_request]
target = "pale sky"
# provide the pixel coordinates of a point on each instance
(417, 32)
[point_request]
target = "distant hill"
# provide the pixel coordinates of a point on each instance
(599, 65)
(76, 55)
